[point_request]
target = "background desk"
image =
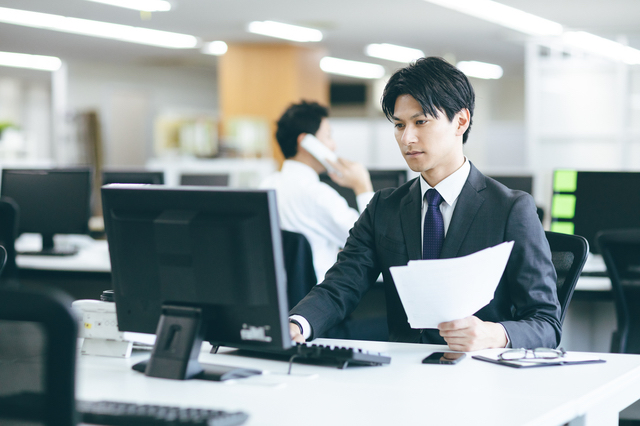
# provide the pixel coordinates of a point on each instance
(84, 275)
(403, 393)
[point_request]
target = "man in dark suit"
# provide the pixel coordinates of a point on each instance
(431, 105)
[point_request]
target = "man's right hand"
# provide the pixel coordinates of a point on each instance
(296, 335)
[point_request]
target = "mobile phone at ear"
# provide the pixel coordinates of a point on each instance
(319, 150)
(444, 358)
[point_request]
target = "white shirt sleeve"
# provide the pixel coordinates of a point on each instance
(363, 199)
(306, 327)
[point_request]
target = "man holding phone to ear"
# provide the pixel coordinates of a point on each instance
(450, 210)
(305, 204)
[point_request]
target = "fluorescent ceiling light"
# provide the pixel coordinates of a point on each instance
(392, 52)
(480, 69)
(351, 68)
(214, 48)
(35, 62)
(602, 46)
(285, 31)
(503, 15)
(142, 5)
(97, 29)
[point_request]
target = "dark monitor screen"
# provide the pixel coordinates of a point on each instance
(51, 201)
(586, 202)
(380, 179)
(214, 251)
(133, 176)
(521, 183)
(204, 179)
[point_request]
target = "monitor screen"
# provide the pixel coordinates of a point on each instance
(380, 179)
(50, 201)
(521, 183)
(585, 202)
(132, 176)
(211, 250)
(204, 179)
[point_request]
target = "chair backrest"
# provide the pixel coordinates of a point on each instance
(9, 214)
(620, 249)
(568, 254)
(298, 263)
(38, 333)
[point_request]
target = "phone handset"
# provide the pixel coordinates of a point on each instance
(320, 151)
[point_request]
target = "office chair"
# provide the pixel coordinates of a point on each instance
(620, 249)
(568, 254)
(298, 263)
(9, 220)
(38, 334)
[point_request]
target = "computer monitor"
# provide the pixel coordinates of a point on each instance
(193, 264)
(201, 179)
(585, 202)
(50, 201)
(380, 179)
(132, 176)
(521, 183)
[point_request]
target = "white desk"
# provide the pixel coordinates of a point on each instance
(92, 256)
(405, 392)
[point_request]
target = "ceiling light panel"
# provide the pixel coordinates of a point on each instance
(351, 68)
(216, 48)
(601, 46)
(284, 31)
(392, 52)
(142, 5)
(506, 16)
(35, 62)
(98, 29)
(480, 69)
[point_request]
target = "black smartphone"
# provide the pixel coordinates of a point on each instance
(444, 358)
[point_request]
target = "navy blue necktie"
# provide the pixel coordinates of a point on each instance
(433, 226)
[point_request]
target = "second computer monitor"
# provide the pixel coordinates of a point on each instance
(133, 176)
(521, 183)
(50, 201)
(380, 179)
(586, 202)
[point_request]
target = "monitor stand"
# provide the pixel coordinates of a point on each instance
(178, 343)
(48, 248)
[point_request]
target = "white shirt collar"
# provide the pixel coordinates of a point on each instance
(451, 186)
(302, 172)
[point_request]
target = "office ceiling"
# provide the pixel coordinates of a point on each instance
(348, 25)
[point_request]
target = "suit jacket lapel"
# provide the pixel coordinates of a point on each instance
(469, 202)
(410, 216)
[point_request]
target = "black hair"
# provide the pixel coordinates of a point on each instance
(304, 117)
(437, 85)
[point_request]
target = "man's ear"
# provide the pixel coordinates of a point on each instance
(462, 118)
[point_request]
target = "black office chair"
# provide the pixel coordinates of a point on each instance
(620, 249)
(9, 220)
(298, 263)
(568, 254)
(38, 334)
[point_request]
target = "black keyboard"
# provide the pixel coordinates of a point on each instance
(121, 413)
(333, 355)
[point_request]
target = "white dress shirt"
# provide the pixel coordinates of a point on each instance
(312, 208)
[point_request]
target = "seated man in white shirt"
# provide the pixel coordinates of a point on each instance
(305, 204)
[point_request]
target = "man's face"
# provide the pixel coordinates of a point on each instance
(430, 145)
(324, 134)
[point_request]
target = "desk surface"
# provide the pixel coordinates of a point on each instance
(404, 392)
(92, 256)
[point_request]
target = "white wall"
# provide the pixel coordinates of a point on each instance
(129, 98)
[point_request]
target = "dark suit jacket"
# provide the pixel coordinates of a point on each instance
(486, 214)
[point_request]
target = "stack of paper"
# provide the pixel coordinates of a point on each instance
(439, 290)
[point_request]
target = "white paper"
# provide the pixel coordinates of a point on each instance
(439, 290)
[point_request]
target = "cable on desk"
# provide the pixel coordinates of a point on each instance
(294, 356)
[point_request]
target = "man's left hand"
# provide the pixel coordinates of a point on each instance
(472, 334)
